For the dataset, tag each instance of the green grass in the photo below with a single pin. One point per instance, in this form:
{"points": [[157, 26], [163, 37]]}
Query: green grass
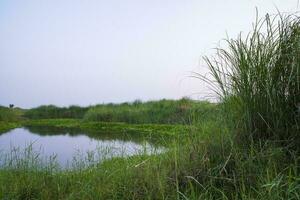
{"points": [[9, 118], [10, 114], [259, 78], [158, 129], [6, 126], [157, 112], [53, 112], [158, 134], [201, 165]]}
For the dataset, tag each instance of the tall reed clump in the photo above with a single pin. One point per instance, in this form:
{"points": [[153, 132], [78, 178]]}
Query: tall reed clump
{"points": [[259, 78]]}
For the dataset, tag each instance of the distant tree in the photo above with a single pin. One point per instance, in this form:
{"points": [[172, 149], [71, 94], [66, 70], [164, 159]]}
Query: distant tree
{"points": [[11, 105]]}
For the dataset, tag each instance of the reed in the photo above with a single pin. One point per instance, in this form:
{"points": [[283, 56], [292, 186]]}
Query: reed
{"points": [[258, 77]]}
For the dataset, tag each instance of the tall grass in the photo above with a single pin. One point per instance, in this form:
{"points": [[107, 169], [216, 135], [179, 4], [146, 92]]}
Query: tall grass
{"points": [[137, 112], [193, 168], [159, 112], [259, 77], [10, 114], [52, 112]]}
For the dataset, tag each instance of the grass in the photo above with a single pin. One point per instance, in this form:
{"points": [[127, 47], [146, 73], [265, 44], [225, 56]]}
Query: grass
{"points": [[194, 168], [260, 78], [158, 134], [54, 112], [160, 129], [156, 112], [10, 114], [6, 126], [9, 118], [246, 147]]}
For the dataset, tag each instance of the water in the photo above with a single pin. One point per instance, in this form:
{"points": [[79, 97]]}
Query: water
{"points": [[71, 146]]}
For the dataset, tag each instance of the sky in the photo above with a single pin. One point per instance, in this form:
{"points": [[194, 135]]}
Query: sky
{"points": [[76, 52]]}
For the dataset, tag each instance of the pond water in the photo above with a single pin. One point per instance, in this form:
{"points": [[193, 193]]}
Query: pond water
{"points": [[69, 147]]}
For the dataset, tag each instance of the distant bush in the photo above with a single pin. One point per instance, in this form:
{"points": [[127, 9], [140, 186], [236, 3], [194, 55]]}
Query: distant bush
{"points": [[163, 111], [51, 112], [9, 114], [136, 112]]}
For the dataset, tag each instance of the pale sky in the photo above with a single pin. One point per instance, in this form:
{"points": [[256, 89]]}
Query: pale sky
{"points": [[77, 52]]}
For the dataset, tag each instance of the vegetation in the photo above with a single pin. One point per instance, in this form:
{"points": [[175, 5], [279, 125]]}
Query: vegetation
{"points": [[260, 77], [137, 112], [6, 126], [141, 129], [202, 165], [9, 118], [10, 114], [157, 112], [54, 112], [247, 147]]}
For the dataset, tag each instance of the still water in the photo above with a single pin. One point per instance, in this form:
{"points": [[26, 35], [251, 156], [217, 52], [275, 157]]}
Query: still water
{"points": [[67, 147]]}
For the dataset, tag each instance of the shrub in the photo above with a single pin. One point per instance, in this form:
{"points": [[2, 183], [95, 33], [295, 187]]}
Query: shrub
{"points": [[10, 114], [51, 112]]}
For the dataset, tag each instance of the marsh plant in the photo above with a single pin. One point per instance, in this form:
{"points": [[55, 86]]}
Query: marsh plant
{"points": [[258, 77]]}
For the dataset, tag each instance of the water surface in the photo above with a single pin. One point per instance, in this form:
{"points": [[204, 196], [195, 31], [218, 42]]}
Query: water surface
{"points": [[71, 146]]}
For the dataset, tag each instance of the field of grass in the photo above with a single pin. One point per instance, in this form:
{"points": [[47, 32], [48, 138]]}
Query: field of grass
{"points": [[10, 118], [157, 112], [54, 112], [203, 164], [245, 147], [10, 114]]}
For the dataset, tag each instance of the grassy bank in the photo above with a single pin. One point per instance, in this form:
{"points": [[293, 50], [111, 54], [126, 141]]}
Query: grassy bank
{"points": [[54, 112], [10, 118], [6, 126], [137, 112], [11, 114], [204, 165]]}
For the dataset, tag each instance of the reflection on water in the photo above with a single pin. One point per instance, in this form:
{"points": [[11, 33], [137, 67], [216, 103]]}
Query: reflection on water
{"points": [[69, 145]]}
